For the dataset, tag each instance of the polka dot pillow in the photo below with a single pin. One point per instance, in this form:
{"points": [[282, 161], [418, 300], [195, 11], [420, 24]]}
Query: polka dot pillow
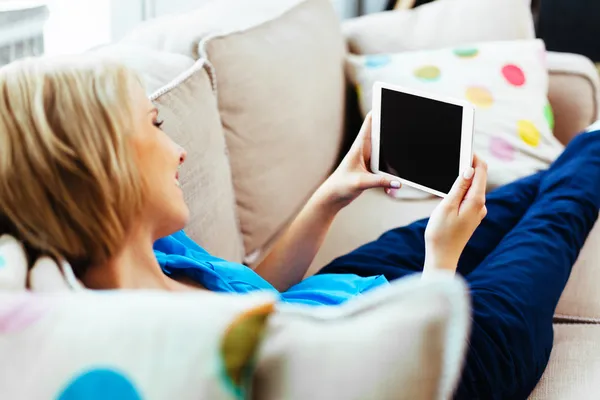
{"points": [[507, 82], [121, 345], [129, 345]]}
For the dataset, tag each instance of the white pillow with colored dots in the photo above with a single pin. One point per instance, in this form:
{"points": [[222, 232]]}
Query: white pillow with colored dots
{"points": [[506, 81]]}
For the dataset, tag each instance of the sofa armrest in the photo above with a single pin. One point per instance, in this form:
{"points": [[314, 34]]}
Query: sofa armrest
{"points": [[574, 93]]}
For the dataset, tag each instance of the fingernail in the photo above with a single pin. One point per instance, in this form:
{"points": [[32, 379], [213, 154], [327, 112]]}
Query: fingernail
{"points": [[469, 172], [395, 184]]}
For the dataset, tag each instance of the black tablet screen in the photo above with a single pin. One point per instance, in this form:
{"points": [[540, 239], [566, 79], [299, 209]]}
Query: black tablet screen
{"points": [[420, 139]]}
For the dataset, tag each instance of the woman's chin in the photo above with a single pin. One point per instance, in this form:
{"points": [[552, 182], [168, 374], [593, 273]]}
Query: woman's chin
{"points": [[175, 222]]}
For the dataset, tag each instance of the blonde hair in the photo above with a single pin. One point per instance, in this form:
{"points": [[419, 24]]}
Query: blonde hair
{"points": [[69, 185]]}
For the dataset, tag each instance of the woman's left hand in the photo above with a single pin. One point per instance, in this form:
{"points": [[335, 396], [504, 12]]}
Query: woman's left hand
{"points": [[353, 176]]}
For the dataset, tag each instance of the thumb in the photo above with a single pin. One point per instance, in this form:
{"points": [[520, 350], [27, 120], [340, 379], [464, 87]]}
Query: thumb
{"points": [[371, 181], [363, 135], [461, 187]]}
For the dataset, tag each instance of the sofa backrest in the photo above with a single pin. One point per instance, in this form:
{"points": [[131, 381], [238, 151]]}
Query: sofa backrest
{"points": [[277, 71]]}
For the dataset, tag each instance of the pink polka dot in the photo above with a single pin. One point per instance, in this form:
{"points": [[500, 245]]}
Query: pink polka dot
{"points": [[501, 149], [514, 75], [19, 311]]}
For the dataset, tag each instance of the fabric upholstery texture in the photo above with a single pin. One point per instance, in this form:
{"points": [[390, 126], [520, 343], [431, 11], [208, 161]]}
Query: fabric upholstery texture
{"points": [[280, 93], [574, 364]]}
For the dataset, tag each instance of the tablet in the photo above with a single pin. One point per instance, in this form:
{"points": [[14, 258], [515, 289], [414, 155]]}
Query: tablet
{"points": [[422, 139]]}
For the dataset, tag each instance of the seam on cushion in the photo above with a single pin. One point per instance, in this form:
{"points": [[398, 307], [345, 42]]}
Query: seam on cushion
{"points": [[592, 84], [569, 319], [182, 77], [203, 55]]}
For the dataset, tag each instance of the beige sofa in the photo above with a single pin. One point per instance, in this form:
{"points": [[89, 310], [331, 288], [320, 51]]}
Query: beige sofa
{"points": [[272, 109]]}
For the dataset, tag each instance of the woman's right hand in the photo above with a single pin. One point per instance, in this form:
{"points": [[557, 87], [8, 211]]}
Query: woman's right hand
{"points": [[454, 220]]}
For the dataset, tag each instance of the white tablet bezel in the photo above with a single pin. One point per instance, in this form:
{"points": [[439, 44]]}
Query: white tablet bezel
{"points": [[466, 142]]}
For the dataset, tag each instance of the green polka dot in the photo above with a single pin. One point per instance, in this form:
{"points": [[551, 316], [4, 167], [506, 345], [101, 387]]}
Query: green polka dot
{"points": [[2, 261], [466, 52], [549, 115], [359, 93], [428, 73]]}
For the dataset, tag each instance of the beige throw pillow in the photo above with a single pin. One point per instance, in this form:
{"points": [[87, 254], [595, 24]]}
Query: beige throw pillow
{"points": [[280, 87]]}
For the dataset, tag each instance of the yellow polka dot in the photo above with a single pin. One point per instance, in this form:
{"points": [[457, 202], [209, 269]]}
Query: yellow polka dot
{"points": [[528, 133], [480, 97], [359, 93], [240, 343], [428, 73]]}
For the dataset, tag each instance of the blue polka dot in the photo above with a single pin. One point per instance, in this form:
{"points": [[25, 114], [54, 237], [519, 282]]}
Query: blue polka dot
{"points": [[100, 384], [377, 61], [2, 261]]}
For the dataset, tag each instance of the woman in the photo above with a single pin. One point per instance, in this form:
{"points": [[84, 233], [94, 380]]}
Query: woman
{"points": [[87, 174]]}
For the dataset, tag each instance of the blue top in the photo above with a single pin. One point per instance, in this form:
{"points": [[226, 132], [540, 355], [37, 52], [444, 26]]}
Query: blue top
{"points": [[177, 254]]}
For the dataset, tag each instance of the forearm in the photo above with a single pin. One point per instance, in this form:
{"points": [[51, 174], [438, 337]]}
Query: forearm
{"points": [[289, 260]]}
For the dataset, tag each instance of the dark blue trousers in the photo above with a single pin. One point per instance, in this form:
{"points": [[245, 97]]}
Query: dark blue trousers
{"points": [[516, 264]]}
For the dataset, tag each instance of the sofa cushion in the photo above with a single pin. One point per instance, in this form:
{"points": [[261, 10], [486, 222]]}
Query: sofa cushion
{"points": [[182, 91], [581, 299], [129, 345], [439, 24], [507, 83], [574, 367], [282, 105], [278, 70], [403, 341]]}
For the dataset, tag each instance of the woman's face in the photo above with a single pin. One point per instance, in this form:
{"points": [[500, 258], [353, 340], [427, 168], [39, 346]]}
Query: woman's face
{"points": [[159, 159]]}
